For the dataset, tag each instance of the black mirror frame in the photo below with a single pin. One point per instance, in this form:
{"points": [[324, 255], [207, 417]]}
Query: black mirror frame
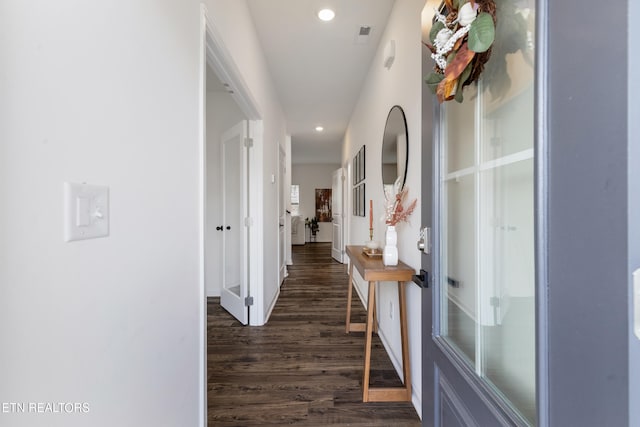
{"points": [[406, 131]]}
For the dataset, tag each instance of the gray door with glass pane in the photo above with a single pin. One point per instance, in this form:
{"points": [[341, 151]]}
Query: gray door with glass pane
{"points": [[531, 189], [481, 358]]}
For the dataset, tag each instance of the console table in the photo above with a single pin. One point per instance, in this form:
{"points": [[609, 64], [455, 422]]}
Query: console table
{"points": [[373, 270]]}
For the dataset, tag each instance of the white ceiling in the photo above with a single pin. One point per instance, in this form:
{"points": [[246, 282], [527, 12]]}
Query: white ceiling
{"points": [[318, 67]]}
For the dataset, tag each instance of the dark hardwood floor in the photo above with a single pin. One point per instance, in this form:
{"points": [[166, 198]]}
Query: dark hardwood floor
{"points": [[301, 368]]}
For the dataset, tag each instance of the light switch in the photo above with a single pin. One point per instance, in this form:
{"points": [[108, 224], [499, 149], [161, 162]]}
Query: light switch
{"points": [[86, 211], [83, 204]]}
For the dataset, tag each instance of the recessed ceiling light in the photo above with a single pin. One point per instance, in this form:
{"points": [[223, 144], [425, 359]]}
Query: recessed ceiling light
{"points": [[326, 14], [319, 128]]}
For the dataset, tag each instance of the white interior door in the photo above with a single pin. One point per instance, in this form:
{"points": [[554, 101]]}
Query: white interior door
{"points": [[337, 181], [282, 217], [234, 208]]}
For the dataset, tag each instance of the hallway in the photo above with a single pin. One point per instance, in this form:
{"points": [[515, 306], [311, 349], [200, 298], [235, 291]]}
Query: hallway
{"points": [[301, 368]]}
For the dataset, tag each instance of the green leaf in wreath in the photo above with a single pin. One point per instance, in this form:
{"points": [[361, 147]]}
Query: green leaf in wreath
{"points": [[433, 80], [481, 33], [458, 96], [457, 4], [435, 29], [463, 78], [466, 73]]}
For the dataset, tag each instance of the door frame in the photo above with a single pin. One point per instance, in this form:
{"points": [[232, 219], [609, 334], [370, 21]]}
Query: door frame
{"points": [[214, 52], [634, 202], [347, 208], [588, 223], [223, 65]]}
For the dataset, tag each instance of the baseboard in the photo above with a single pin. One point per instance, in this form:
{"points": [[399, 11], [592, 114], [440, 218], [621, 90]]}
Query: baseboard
{"points": [[397, 363], [417, 402], [416, 395]]}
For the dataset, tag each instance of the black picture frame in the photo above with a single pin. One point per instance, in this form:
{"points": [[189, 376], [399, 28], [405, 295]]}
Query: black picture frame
{"points": [[359, 176], [359, 167], [355, 201], [356, 170], [359, 200], [354, 209], [363, 175]]}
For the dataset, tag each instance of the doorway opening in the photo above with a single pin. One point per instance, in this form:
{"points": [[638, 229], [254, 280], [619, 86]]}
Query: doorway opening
{"points": [[230, 161], [231, 170]]}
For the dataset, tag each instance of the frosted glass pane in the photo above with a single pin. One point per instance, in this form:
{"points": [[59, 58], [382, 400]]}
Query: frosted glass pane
{"points": [[460, 124], [232, 233], [458, 268], [508, 125], [295, 194], [507, 271]]}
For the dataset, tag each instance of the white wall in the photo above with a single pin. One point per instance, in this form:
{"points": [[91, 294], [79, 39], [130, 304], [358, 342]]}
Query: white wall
{"points": [[382, 90], [235, 25], [222, 114], [107, 93], [311, 177]]}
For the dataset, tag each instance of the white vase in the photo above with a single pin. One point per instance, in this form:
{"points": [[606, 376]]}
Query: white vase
{"points": [[390, 252]]}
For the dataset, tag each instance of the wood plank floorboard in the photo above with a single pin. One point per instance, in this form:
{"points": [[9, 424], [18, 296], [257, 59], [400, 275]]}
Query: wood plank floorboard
{"points": [[301, 368]]}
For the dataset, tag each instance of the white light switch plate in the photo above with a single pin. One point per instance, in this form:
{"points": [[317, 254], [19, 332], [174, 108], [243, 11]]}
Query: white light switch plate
{"points": [[86, 211]]}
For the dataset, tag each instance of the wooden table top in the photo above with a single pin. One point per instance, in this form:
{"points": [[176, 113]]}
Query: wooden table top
{"points": [[373, 270]]}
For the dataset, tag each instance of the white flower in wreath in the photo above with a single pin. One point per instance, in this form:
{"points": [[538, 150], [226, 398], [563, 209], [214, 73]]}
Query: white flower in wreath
{"points": [[467, 14], [443, 36]]}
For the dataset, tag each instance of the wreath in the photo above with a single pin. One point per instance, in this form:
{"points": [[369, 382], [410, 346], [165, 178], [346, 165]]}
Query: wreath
{"points": [[461, 40]]}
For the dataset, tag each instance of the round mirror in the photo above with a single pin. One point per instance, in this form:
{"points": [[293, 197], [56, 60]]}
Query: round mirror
{"points": [[395, 146]]}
